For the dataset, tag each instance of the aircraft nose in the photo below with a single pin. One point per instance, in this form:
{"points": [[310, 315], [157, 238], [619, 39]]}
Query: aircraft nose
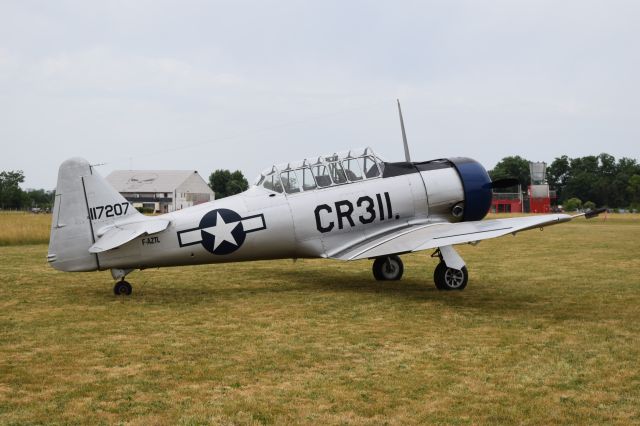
{"points": [[476, 184]]}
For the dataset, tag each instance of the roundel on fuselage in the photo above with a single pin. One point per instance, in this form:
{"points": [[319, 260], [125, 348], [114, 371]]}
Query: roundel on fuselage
{"points": [[231, 235], [221, 231]]}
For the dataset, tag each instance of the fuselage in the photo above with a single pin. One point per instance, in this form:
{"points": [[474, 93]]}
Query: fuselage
{"points": [[264, 223], [342, 206]]}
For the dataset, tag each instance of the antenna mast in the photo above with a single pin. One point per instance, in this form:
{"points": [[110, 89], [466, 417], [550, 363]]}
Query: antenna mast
{"points": [[404, 135]]}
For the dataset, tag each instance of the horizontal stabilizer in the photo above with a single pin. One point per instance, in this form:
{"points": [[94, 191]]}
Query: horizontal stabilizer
{"points": [[121, 234]]}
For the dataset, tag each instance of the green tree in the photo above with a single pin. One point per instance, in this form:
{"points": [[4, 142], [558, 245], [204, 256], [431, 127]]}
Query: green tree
{"points": [[572, 204], [589, 205], [627, 169], [512, 167], [633, 189], [10, 192], [608, 193], [38, 198], [225, 183], [607, 164], [597, 178], [582, 180], [557, 174]]}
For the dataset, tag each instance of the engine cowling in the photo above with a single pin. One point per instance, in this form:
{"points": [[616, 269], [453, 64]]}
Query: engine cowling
{"points": [[476, 185], [458, 189]]}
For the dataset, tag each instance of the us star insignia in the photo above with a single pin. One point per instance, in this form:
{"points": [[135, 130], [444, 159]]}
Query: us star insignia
{"points": [[222, 231]]}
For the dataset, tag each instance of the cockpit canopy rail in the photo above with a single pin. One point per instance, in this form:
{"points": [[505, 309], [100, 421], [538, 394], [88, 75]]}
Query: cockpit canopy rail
{"points": [[322, 172]]}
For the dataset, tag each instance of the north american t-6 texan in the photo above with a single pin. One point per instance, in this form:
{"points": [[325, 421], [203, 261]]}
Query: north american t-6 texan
{"points": [[346, 206]]}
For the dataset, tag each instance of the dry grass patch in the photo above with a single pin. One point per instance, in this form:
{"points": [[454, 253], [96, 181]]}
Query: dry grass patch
{"points": [[18, 228], [546, 332]]}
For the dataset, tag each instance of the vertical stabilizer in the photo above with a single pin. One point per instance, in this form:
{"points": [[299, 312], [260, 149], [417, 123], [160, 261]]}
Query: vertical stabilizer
{"points": [[84, 204]]}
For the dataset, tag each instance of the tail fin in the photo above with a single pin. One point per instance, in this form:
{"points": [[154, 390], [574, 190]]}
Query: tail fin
{"points": [[84, 204]]}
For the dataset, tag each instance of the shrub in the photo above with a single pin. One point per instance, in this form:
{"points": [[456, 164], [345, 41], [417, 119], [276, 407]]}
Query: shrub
{"points": [[572, 204]]}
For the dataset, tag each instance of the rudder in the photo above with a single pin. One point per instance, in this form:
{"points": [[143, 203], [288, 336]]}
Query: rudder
{"points": [[84, 204]]}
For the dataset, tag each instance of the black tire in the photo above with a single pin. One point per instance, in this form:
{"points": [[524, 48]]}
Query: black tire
{"points": [[437, 274], [447, 278], [388, 268], [122, 288]]}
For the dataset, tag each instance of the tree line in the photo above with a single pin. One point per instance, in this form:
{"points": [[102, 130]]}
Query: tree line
{"points": [[592, 180], [223, 182], [598, 180], [12, 197]]}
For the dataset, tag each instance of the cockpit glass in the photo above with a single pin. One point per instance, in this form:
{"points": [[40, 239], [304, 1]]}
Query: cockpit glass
{"points": [[337, 173], [291, 181], [272, 183], [352, 169], [308, 183], [369, 167], [321, 173]]}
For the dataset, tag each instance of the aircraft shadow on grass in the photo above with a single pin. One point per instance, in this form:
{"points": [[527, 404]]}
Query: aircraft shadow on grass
{"points": [[321, 283]]}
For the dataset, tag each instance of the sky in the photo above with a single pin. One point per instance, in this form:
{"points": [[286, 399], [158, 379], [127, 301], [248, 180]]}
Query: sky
{"points": [[204, 85]]}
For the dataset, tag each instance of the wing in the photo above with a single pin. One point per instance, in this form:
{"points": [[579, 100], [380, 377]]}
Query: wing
{"points": [[120, 234], [432, 235]]}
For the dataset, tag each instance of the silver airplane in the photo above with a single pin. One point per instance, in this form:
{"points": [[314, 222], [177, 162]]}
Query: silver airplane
{"points": [[346, 206]]}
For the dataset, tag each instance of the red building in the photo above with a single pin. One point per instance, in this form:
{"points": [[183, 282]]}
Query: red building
{"points": [[539, 199], [506, 202]]}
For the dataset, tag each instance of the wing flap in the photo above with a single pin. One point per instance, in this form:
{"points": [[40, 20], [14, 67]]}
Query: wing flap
{"points": [[121, 234], [424, 237]]}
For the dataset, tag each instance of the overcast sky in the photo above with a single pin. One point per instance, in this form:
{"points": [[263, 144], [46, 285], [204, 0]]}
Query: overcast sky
{"points": [[243, 84]]}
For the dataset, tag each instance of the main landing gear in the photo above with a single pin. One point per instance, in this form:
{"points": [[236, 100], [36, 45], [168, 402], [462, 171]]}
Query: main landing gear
{"points": [[447, 278], [388, 268], [122, 287], [450, 274]]}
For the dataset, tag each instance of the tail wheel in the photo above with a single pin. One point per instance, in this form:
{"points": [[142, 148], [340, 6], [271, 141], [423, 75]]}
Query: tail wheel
{"points": [[388, 268], [447, 278], [122, 288]]}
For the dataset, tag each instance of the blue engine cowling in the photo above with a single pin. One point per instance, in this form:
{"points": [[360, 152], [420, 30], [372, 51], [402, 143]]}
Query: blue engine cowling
{"points": [[476, 184]]}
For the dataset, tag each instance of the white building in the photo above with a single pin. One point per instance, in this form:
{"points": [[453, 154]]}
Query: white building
{"points": [[161, 190]]}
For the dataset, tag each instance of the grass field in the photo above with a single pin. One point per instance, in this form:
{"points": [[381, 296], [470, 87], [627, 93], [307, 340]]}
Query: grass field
{"points": [[24, 228], [547, 332]]}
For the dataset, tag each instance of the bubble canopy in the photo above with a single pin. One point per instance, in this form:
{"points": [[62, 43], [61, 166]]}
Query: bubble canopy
{"points": [[323, 171]]}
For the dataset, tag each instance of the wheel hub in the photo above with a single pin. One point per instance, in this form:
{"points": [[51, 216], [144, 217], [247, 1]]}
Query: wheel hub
{"points": [[390, 269], [453, 277]]}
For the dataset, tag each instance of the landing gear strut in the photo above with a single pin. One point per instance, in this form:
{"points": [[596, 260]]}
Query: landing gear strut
{"points": [[451, 273], [122, 287], [388, 268]]}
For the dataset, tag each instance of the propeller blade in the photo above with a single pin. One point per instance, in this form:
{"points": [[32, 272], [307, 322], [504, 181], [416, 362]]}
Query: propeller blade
{"points": [[505, 183], [594, 213]]}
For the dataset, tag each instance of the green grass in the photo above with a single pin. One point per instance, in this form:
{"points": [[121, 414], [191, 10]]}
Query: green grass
{"points": [[547, 332]]}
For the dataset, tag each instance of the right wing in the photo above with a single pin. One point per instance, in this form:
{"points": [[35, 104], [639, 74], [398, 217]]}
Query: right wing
{"points": [[440, 234]]}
